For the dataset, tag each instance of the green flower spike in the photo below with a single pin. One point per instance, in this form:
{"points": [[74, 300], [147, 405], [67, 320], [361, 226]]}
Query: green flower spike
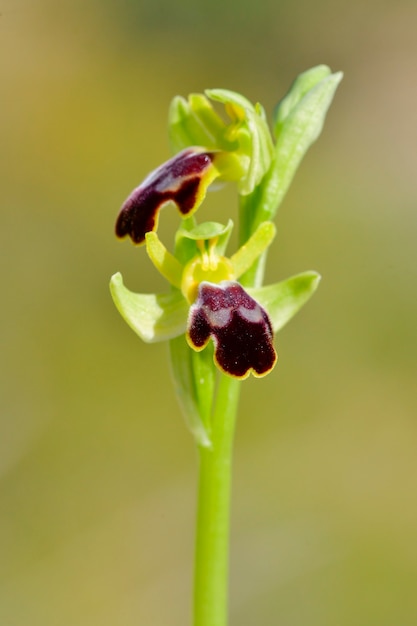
{"points": [[207, 312], [218, 317]]}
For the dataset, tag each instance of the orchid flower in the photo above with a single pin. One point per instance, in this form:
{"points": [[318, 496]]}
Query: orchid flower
{"points": [[219, 318], [208, 302]]}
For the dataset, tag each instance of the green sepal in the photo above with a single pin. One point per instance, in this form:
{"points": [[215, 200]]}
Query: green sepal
{"points": [[154, 317], [194, 122], [282, 300], [250, 129], [182, 359]]}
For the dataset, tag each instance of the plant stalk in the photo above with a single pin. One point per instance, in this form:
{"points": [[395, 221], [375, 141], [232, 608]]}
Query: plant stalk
{"points": [[211, 575]]}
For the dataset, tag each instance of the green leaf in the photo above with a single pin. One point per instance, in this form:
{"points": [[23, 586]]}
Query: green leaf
{"points": [[299, 121], [282, 300], [154, 317], [300, 129], [300, 87], [304, 123], [183, 373]]}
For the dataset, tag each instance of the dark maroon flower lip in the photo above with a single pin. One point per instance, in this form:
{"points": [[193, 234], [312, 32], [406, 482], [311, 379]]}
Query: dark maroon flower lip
{"points": [[239, 326], [183, 180]]}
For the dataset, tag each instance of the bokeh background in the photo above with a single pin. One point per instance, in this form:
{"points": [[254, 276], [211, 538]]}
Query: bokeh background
{"points": [[97, 470]]}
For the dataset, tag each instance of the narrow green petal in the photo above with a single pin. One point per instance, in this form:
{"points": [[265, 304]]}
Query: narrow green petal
{"points": [[164, 261], [282, 300], [247, 254], [154, 317]]}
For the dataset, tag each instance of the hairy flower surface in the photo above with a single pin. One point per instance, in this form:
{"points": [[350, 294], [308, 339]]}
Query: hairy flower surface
{"points": [[239, 326], [182, 180]]}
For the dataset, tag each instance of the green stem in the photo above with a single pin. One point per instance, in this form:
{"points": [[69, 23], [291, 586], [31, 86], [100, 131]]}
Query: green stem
{"points": [[213, 513]]}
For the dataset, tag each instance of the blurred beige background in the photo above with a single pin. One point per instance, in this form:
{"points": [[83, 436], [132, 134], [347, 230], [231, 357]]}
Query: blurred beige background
{"points": [[97, 471]]}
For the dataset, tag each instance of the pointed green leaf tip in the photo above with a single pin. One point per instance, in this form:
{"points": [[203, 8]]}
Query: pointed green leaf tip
{"points": [[299, 120], [154, 317], [282, 300], [300, 88]]}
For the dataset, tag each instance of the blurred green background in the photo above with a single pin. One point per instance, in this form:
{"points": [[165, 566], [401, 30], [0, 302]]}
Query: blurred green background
{"points": [[97, 471]]}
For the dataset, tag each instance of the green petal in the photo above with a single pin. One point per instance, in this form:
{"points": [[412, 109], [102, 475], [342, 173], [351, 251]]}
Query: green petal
{"points": [[164, 261], [154, 317], [247, 254], [284, 299]]}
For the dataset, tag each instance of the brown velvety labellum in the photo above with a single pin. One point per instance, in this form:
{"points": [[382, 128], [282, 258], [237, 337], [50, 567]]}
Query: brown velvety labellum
{"points": [[239, 326], [180, 180]]}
